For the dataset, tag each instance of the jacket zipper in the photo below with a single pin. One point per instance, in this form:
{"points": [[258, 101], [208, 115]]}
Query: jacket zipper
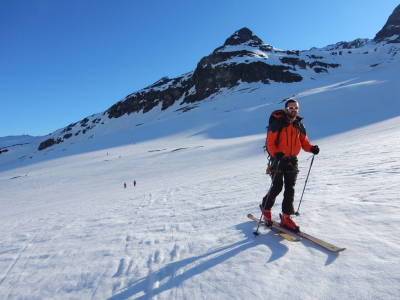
{"points": [[291, 140], [287, 138]]}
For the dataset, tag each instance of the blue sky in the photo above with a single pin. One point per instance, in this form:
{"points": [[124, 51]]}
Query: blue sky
{"points": [[63, 60]]}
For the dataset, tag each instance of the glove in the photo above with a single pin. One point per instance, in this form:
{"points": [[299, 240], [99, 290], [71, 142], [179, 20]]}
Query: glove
{"points": [[315, 149], [279, 155]]}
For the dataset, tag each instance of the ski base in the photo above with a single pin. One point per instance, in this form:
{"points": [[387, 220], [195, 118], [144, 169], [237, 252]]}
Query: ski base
{"points": [[285, 235], [311, 238]]}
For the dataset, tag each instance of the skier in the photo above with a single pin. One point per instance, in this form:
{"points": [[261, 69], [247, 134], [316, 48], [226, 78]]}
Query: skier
{"points": [[125, 185], [134, 183], [286, 136]]}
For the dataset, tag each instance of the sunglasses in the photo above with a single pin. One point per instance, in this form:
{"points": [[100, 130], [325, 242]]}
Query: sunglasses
{"points": [[293, 107]]}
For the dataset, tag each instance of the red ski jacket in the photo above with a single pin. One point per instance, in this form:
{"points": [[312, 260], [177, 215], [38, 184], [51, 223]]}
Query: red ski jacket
{"points": [[292, 136]]}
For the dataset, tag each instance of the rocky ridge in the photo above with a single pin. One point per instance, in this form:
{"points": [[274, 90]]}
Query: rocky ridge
{"points": [[391, 30]]}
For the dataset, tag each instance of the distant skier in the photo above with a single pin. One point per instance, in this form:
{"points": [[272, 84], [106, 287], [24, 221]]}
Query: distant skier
{"points": [[286, 136], [134, 183], [125, 185]]}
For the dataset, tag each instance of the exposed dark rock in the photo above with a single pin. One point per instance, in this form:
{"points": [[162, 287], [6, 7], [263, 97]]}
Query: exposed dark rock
{"points": [[57, 140], [391, 28], [185, 109], [242, 36], [357, 43], [209, 80], [48, 143], [322, 64], [293, 61], [289, 52], [3, 151], [88, 128], [66, 129], [320, 70], [146, 101], [84, 122], [265, 48], [220, 57], [161, 82], [69, 127], [315, 57]]}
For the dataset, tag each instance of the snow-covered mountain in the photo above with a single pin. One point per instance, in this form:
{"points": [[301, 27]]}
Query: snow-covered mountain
{"points": [[193, 144], [243, 63]]}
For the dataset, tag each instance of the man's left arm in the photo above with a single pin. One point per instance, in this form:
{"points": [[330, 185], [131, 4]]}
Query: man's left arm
{"points": [[307, 146], [305, 143]]}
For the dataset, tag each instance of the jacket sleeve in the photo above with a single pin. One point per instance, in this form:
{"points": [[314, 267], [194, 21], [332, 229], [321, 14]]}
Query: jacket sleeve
{"points": [[270, 143], [271, 138], [305, 143]]}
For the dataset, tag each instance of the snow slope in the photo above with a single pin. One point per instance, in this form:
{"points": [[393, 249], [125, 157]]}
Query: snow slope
{"points": [[70, 230]]}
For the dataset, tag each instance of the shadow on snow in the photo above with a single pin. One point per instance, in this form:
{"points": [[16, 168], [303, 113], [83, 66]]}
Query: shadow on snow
{"points": [[205, 262]]}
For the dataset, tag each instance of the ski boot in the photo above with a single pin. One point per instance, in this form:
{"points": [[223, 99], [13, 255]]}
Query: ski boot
{"points": [[267, 216], [287, 222]]}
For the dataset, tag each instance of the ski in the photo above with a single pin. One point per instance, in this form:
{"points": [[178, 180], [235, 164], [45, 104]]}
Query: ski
{"points": [[285, 235], [311, 238]]}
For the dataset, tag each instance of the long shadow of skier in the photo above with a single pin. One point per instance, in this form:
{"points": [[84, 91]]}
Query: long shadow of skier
{"points": [[202, 263]]}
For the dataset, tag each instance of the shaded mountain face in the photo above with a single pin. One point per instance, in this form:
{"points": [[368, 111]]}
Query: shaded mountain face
{"points": [[224, 68], [243, 36], [391, 31]]}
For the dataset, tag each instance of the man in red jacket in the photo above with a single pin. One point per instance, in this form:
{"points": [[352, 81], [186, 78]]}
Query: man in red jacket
{"points": [[286, 136]]}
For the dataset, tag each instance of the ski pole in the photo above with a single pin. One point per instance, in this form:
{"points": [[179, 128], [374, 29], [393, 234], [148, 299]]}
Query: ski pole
{"points": [[297, 212], [269, 191]]}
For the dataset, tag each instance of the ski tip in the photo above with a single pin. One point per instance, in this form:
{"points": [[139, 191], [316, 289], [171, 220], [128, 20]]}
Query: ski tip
{"points": [[335, 249], [249, 215]]}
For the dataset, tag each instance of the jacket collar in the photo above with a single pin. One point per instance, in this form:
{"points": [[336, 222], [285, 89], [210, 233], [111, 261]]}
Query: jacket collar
{"points": [[282, 114]]}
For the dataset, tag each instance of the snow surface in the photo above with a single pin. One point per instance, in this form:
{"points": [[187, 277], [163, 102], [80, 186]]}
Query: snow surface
{"points": [[70, 230]]}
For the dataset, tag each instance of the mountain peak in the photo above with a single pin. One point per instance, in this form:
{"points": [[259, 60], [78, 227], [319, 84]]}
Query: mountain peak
{"points": [[242, 36], [391, 30]]}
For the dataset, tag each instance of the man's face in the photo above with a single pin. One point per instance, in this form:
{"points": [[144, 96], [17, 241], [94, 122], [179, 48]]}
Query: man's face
{"points": [[292, 109]]}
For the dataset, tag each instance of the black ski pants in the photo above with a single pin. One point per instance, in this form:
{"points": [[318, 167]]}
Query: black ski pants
{"points": [[287, 174]]}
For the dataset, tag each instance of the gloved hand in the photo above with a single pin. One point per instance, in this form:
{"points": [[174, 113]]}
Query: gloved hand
{"points": [[279, 155], [315, 149]]}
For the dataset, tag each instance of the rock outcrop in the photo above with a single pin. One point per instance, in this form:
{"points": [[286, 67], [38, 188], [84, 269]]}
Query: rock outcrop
{"points": [[391, 30]]}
